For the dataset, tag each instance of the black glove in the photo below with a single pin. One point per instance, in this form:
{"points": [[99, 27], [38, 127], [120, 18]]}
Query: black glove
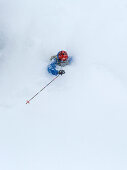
{"points": [[61, 72]]}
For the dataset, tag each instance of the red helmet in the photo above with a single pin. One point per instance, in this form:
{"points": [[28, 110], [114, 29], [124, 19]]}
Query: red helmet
{"points": [[62, 55]]}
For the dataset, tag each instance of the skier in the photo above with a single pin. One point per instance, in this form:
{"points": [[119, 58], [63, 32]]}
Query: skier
{"points": [[61, 59]]}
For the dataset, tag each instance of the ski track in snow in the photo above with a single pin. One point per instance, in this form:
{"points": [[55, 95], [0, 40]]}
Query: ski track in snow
{"points": [[79, 121]]}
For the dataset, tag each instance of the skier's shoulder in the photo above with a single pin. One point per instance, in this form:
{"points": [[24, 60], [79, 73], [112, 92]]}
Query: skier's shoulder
{"points": [[70, 59]]}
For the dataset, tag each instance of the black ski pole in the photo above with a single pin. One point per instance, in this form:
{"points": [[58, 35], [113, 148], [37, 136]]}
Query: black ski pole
{"points": [[28, 101]]}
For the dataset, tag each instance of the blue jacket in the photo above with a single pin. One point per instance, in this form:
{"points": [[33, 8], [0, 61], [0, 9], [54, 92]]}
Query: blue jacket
{"points": [[52, 67]]}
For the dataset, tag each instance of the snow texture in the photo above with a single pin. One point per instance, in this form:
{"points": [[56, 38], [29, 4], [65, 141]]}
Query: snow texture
{"points": [[79, 121]]}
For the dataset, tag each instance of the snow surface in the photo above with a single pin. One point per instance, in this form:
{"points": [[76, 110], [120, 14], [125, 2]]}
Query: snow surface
{"points": [[80, 121]]}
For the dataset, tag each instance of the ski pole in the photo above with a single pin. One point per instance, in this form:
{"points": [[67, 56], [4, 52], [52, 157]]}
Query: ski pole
{"points": [[28, 101]]}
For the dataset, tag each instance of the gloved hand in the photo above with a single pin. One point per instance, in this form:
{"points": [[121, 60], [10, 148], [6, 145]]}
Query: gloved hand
{"points": [[61, 72]]}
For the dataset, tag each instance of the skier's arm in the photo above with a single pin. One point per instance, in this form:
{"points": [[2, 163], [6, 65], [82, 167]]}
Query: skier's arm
{"points": [[53, 57]]}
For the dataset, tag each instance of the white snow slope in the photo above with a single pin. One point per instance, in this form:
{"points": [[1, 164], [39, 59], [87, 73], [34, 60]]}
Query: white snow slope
{"points": [[80, 121]]}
